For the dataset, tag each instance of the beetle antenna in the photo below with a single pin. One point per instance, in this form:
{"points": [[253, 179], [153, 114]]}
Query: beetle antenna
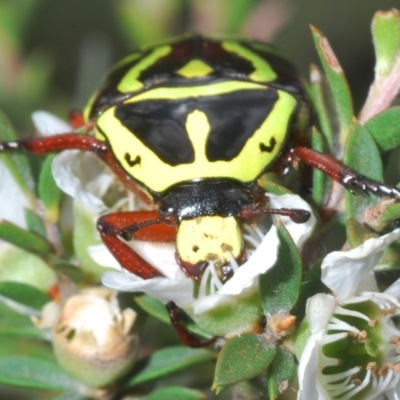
{"points": [[297, 215]]}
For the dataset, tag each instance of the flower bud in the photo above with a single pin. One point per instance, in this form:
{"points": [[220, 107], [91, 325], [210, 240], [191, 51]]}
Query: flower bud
{"points": [[93, 339]]}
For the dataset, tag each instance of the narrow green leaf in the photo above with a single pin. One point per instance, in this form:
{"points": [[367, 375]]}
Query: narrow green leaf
{"points": [[14, 324], [21, 238], [49, 192], [317, 92], [167, 361], [35, 223], [71, 396], [390, 260], [339, 87], [386, 37], [34, 373], [358, 233], [24, 294], [272, 183], [71, 271], [319, 178], [311, 284], [153, 307], [175, 393], [281, 372], [242, 357], [279, 286], [389, 215], [385, 128], [17, 164], [362, 155], [18, 265]]}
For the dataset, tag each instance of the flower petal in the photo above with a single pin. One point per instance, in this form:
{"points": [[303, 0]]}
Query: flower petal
{"points": [[350, 272], [13, 201], [48, 124], [69, 170], [163, 289]]}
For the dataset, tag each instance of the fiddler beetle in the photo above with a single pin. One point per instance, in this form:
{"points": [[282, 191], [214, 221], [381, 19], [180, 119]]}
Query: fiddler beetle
{"points": [[190, 125]]}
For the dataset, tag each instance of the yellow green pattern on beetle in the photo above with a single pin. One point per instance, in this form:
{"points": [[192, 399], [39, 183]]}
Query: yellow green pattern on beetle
{"points": [[247, 166], [262, 71], [131, 82]]}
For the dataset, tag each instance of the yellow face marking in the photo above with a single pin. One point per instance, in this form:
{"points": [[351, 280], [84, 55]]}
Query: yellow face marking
{"points": [[195, 69], [131, 82], [159, 176], [208, 238], [263, 72]]}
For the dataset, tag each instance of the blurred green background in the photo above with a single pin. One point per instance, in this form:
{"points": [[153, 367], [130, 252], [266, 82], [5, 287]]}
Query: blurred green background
{"points": [[54, 53]]}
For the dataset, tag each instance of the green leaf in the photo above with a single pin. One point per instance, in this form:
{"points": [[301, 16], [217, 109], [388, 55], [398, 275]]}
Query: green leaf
{"points": [[389, 215], [71, 396], [280, 285], [318, 176], [386, 37], [17, 164], [358, 233], [338, 85], [385, 128], [85, 235], [282, 370], [35, 223], [14, 324], [71, 271], [311, 284], [49, 192], [271, 183], [175, 393], [242, 357], [317, 92], [34, 373], [167, 361], [25, 240], [17, 265], [153, 307], [362, 155], [390, 260], [24, 294]]}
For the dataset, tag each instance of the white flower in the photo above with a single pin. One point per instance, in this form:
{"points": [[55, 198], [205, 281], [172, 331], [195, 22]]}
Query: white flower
{"points": [[353, 350]]}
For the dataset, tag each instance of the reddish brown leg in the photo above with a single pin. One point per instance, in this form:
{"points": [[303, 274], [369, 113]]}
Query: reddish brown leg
{"points": [[344, 175], [112, 226], [74, 141], [177, 316]]}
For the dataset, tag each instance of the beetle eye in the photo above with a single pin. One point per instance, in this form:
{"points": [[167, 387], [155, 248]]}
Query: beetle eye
{"points": [[131, 163]]}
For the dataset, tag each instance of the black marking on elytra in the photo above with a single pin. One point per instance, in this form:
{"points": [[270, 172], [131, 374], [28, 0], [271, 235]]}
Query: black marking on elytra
{"points": [[270, 148], [233, 117], [132, 163]]}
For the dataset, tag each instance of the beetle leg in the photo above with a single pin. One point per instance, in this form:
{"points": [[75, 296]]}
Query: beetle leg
{"points": [[141, 225], [344, 175], [74, 141], [176, 316]]}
